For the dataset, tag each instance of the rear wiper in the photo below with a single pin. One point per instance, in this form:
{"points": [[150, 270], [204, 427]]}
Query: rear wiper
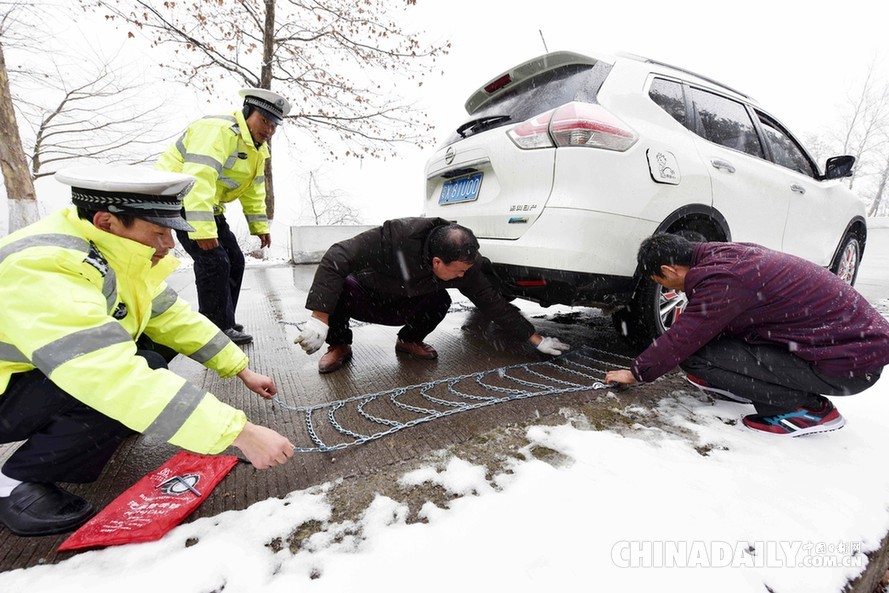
{"points": [[479, 124]]}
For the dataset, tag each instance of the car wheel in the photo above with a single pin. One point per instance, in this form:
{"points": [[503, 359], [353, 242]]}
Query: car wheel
{"points": [[653, 311], [659, 308], [499, 284], [624, 324], [848, 259]]}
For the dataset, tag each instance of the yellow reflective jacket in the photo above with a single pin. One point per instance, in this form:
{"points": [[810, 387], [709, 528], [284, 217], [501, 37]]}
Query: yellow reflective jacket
{"points": [[219, 151], [76, 298]]}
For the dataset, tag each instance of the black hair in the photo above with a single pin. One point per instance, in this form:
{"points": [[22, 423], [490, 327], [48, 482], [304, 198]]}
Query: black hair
{"points": [[87, 214], [247, 110], [452, 242], [663, 249]]}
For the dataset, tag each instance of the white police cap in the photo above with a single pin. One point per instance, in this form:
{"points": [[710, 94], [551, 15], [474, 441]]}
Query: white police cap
{"points": [[272, 105], [143, 192]]}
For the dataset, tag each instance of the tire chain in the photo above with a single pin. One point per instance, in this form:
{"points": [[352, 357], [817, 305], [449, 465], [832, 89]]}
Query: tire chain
{"points": [[586, 366]]}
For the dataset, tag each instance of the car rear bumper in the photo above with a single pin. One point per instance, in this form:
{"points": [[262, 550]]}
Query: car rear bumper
{"points": [[574, 240], [571, 256]]}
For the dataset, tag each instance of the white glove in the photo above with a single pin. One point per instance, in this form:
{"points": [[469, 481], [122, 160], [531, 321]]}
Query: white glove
{"points": [[312, 336], [552, 346]]}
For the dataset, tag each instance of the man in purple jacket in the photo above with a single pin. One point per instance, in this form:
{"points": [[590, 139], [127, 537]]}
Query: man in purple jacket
{"points": [[762, 327]]}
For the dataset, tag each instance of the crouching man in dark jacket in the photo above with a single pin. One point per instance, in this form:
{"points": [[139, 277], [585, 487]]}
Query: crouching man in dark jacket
{"points": [[397, 274], [762, 327]]}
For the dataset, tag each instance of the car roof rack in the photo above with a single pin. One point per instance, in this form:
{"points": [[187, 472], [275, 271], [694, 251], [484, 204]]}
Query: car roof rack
{"points": [[637, 57]]}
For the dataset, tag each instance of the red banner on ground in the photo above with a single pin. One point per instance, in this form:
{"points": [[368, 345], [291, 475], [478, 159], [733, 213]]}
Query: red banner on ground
{"points": [[155, 504]]}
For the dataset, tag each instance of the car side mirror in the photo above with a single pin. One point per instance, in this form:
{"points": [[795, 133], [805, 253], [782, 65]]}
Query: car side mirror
{"points": [[838, 167]]}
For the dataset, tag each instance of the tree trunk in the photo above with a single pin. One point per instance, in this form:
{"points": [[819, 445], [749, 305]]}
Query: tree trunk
{"points": [[265, 81], [878, 196], [22, 199]]}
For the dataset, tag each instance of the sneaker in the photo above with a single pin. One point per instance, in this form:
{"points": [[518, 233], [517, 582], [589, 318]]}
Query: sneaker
{"points": [[720, 393], [420, 350], [799, 422], [238, 337], [238, 327], [334, 358]]}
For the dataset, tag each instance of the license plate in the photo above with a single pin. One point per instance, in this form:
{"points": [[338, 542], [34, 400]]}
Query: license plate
{"points": [[462, 189]]}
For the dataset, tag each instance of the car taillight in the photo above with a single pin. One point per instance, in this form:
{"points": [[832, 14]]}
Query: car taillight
{"points": [[533, 133], [574, 124], [585, 124]]}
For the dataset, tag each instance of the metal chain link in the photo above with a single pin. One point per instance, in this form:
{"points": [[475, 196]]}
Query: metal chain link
{"points": [[566, 363]]}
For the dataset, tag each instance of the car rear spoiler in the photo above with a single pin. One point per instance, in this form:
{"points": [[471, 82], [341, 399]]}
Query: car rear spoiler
{"points": [[523, 71]]}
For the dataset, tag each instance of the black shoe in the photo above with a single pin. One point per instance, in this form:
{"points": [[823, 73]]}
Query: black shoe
{"points": [[41, 508], [237, 337], [238, 327]]}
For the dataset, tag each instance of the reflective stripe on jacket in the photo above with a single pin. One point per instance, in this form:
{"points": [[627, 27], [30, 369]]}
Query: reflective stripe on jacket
{"points": [[76, 298], [219, 151]]}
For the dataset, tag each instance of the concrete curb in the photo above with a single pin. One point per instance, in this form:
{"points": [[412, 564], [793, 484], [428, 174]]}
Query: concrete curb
{"points": [[309, 243]]}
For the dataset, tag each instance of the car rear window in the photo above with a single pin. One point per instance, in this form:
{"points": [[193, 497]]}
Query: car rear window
{"points": [[548, 90], [668, 95]]}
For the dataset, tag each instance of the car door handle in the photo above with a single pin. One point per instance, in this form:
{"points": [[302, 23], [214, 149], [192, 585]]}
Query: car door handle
{"points": [[798, 188], [723, 165]]}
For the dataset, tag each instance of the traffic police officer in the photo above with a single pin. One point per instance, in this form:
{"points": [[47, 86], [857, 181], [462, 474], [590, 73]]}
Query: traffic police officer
{"points": [[79, 288], [226, 154]]}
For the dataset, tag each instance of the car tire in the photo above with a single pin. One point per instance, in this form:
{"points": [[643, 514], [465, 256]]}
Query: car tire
{"points": [[499, 284], [624, 324], [652, 312], [655, 308], [848, 259]]}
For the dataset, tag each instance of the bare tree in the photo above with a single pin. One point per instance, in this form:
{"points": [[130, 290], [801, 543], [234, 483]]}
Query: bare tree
{"points": [[65, 105], [21, 197], [877, 205], [337, 61], [96, 111], [820, 146], [866, 121], [328, 207], [863, 132]]}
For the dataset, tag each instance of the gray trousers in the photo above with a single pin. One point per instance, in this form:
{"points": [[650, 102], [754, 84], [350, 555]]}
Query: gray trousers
{"points": [[773, 378]]}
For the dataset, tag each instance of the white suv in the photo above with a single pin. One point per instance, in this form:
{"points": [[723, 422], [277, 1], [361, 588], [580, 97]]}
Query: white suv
{"points": [[568, 161]]}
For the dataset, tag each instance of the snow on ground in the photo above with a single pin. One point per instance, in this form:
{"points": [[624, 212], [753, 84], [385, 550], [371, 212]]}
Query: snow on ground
{"points": [[637, 511]]}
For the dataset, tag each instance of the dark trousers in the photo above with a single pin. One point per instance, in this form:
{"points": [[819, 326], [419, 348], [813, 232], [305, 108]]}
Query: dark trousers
{"points": [[65, 440], [773, 378], [217, 273], [419, 315]]}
